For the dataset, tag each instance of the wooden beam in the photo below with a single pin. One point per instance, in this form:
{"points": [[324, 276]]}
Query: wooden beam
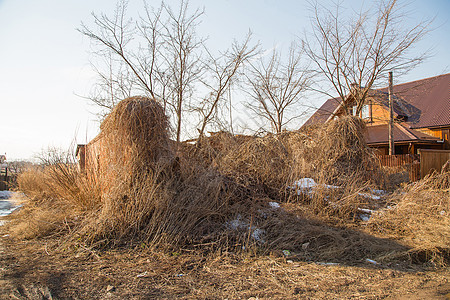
{"points": [[391, 116]]}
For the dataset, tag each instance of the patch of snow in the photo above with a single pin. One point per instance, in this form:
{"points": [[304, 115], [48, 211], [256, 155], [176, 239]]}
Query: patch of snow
{"points": [[5, 205], [274, 204], [237, 224], [5, 194], [366, 210], [258, 234], [378, 192], [305, 183], [306, 186], [327, 263], [7, 208], [262, 213], [366, 214], [331, 186], [370, 196], [142, 274], [364, 217]]}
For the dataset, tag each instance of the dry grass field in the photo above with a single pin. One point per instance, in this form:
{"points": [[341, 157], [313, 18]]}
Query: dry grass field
{"points": [[308, 214]]}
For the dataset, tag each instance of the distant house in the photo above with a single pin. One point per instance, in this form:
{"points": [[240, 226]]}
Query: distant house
{"points": [[3, 165], [421, 115]]}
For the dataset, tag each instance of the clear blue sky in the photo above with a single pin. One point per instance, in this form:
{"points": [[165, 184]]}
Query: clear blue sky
{"points": [[44, 61]]}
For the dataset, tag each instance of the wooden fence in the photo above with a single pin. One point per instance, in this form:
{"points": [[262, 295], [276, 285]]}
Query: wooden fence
{"points": [[409, 161], [4, 182], [432, 160], [398, 160]]}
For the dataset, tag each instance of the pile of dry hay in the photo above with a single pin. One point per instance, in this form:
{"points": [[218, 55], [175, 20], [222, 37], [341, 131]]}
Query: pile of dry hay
{"points": [[217, 192], [332, 154], [149, 194]]}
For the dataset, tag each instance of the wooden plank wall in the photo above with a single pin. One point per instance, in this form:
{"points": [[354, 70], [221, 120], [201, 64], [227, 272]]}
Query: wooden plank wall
{"points": [[412, 162], [398, 160], [432, 160]]}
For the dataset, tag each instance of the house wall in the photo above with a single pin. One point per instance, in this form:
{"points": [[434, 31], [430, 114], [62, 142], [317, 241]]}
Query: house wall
{"points": [[433, 132], [441, 133], [380, 115]]}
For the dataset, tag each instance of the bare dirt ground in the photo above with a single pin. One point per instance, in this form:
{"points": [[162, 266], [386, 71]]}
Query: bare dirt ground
{"points": [[39, 269]]}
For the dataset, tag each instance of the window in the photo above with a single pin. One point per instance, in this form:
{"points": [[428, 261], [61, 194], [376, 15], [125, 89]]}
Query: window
{"points": [[365, 112]]}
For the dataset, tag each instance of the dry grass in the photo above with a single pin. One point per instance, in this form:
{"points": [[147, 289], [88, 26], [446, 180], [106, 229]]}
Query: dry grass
{"points": [[39, 270], [420, 216], [214, 195], [58, 196], [335, 153]]}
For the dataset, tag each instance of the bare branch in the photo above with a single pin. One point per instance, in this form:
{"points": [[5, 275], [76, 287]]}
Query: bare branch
{"points": [[276, 87], [352, 54]]}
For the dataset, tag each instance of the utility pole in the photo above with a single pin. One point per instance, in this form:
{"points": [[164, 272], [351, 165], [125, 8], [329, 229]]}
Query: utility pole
{"points": [[391, 116]]}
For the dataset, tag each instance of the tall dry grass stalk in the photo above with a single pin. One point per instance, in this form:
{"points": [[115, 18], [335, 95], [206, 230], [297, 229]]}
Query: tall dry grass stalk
{"points": [[58, 195]]}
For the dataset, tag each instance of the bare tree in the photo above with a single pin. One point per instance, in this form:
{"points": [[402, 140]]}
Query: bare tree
{"points": [[181, 56], [114, 36], [353, 52], [221, 73], [114, 84], [16, 167], [158, 56], [277, 87]]}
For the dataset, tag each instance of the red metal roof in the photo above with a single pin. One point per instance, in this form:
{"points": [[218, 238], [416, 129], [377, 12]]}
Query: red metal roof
{"points": [[428, 99], [323, 113], [379, 134], [425, 102]]}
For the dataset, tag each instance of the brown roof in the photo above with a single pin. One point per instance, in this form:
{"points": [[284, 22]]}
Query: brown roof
{"points": [[425, 102], [324, 112], [379, 134]]}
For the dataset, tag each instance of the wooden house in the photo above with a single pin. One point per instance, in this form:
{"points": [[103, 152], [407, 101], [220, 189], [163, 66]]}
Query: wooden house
{"points": [[421, 115]]}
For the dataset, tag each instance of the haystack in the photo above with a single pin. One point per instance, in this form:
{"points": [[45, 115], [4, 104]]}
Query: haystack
{"points": [[135, 137], [149, 194], [135, 155]]}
